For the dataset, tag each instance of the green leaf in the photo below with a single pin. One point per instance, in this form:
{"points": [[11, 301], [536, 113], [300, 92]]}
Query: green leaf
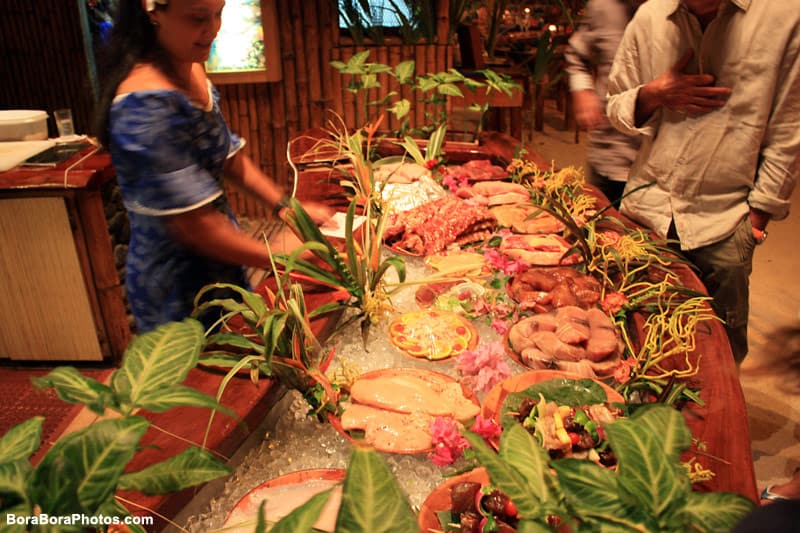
{"points": [[13, 490], [21, 440], [400, 108], [304, 517], [371, 498], [521, 451], [73, 387], [449, 89], [404, 71], [571, 392], [112, 507], [522, 491], [158, 359], [191, 467], [592, 493], [20, 511], [646, 475], [715, 511], [670, 427], [532, 526], [82, 469], [235, 340], [180, 395]]}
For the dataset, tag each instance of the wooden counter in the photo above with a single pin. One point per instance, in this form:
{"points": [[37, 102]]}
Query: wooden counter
{"points": [[62, 295]]}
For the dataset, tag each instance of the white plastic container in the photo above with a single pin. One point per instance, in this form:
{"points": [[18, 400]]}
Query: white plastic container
{"points": [[23, 125]]}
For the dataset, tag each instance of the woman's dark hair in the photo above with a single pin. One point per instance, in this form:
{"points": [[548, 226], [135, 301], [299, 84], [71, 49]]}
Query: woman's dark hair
{"points": [[132, 39]]}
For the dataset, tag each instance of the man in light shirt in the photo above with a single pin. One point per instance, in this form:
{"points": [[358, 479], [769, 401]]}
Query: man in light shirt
{"points": [[714, 88]]}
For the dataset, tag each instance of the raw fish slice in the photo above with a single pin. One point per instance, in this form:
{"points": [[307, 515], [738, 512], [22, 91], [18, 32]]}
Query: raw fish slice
{"points": [[549, 343], [604, 340], [408, 394], [387, 430], [573, 325]]}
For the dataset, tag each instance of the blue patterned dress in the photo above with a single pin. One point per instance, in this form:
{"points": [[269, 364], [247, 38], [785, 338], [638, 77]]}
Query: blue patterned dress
{"points": [[169, 155]]}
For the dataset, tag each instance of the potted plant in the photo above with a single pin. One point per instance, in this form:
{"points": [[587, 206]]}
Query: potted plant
{"points": [[82, 472]]}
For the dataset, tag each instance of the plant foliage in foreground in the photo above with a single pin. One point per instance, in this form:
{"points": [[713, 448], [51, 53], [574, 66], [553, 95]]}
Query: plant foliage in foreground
{"points": [[83, 470], [650, 490]]}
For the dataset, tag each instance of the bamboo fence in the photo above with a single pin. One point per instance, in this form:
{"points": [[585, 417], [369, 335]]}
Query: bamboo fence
{"points": [[43, 52]]}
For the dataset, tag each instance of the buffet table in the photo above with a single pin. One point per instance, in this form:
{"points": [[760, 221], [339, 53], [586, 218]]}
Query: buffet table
{"points": [[299, 442], [62, 295]]}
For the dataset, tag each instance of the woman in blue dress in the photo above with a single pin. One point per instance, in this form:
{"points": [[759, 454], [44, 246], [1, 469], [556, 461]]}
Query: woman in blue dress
{"points": [[160, 119]]}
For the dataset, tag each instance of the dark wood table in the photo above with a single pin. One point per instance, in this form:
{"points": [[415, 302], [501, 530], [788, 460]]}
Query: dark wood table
{"points": [[721, 425]]}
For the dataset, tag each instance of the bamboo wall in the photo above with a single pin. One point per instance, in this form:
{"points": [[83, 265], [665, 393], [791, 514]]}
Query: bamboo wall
{"points": [[43, 66]]}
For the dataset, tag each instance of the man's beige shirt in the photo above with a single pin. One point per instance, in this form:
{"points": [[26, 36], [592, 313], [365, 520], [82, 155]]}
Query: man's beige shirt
{"points": [[707, 170]]}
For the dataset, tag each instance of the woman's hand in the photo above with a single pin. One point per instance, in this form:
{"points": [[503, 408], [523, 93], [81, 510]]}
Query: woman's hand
{"points": [[319, 212]]}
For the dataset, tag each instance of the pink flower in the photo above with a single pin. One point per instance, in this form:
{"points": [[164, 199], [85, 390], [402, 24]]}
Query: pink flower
{"points": [[448, 443], [483, 368], [503, 263], [486, 428], [614, 302], [500, 326], [454, 182]]}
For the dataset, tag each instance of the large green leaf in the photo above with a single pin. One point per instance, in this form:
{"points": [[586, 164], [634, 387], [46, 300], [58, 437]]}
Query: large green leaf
{"points": [[521, 451], [73, 387], [112, 507], [13, 491], [592, 493], [522, 491], [303, 518], [669, 425], [191, 467], [156, 360], [647, 475], [716, 511], [22, 440], [81, 470], [180, 395], [371, 498], [18, 511]]}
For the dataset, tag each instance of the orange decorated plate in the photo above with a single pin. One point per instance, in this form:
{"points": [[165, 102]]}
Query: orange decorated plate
{"points": [[439, 499], [432, 334], [492, 405], [401, 426], [285, 493]]}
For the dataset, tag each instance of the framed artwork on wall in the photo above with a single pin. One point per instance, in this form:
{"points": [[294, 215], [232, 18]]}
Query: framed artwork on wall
{"points": [[247, 47]]}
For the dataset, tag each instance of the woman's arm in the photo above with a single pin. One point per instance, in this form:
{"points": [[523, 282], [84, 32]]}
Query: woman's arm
{"points": [[243, 173], [209, 233]]}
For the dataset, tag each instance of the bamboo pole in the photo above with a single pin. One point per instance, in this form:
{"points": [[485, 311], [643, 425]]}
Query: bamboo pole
{"points": [[337, 85], [302, 96], [395, 58], [313, 42], [421, 69], [382, 56]]}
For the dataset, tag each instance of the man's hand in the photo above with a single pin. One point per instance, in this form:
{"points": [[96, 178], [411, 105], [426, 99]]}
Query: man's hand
{"points": [[589, 110], [693, 94]]}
